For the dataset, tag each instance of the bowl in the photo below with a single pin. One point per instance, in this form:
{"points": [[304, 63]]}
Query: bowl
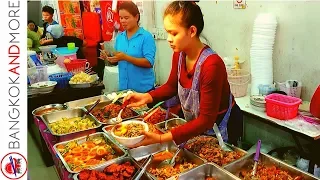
{"points": [[129, 141], [44, 87]]}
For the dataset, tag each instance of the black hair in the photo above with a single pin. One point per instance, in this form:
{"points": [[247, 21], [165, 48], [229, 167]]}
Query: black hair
{"points": [[131, 7], [191, 14], [48, 9], [35, 25]]}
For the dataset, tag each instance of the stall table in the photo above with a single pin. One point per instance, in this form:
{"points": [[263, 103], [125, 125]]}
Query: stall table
{"points": [[296, 127]]}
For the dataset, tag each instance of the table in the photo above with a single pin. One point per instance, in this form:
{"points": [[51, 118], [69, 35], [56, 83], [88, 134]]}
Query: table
{"points": [[57, 96], [296, 127]]}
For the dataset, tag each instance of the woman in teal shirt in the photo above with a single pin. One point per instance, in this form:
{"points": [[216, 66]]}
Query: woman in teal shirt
{"points": [[136, 51]]}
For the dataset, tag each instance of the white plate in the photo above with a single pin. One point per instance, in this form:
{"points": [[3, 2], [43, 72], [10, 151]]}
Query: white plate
{"points": [[44, 87]]}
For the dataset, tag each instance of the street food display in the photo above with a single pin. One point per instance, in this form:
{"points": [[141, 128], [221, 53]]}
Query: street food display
{"points": [[268, 172], [111, 111], [208, 148], [101, 156], [69, 125], [93, 151], [123, 171]]}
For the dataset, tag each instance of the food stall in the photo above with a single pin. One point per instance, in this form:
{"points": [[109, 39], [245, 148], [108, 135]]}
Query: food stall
{"points": [[94, 146]]}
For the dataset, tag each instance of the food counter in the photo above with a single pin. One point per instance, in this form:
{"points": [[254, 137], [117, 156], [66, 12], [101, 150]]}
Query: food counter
{"points": [[80, 153]]}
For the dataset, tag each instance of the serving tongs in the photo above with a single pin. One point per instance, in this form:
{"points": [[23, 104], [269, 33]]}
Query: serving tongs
{"points": [[143, 168]]}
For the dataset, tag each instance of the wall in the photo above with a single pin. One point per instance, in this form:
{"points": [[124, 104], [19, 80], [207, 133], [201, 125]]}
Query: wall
{"points": [[297, 41], [34, 12]]}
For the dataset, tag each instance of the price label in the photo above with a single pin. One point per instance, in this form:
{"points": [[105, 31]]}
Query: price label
{"points": [[239, 4]]}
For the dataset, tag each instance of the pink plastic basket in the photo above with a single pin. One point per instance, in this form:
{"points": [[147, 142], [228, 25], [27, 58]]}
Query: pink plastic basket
{"points": [[282, 107]]}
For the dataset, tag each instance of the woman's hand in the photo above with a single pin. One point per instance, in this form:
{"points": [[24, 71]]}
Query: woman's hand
{"points": [[150, 138], [104, 55], [138, 99], [118, 56]]}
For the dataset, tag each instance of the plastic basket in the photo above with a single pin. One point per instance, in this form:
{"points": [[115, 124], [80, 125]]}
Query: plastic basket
{"points": [[76, 66], [290, 91], [238, 80], [62, 79], [282, 107]]}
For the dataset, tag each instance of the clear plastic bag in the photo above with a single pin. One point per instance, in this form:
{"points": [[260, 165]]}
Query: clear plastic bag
{"points": [[37, 74]]}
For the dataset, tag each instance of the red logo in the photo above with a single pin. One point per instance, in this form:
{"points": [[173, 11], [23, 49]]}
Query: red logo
{"points": [[14, 165]]}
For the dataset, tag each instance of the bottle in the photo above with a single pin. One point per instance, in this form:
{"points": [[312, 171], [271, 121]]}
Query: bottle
{"points": [[236, 61]]}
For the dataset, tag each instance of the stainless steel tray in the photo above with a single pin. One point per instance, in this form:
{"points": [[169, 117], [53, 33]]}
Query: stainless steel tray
{"points": [[247, 162], [207, 170], [118, 150], [171, 148], [85, 102], [103, 104], [69, 113], [170, 124], [118, 161], [163, 110], [143, 152], [58, 106], [234, 148]]}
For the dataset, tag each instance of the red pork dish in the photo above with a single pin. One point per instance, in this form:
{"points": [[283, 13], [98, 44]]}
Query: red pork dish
{"points": [[208, 148], [111, 111], [266, 173], [123, 171]]}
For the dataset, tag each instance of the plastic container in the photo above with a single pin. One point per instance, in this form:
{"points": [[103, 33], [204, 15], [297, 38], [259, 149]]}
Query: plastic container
{"points": [[71, 46], [61, 78], [76, 66], [64, 53], [315, 103], [282, 107], [238, 80], [33, 59], [266, 89], [291, 91]]}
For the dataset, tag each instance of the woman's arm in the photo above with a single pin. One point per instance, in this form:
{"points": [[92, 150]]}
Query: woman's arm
{"points": [[212, 78]]}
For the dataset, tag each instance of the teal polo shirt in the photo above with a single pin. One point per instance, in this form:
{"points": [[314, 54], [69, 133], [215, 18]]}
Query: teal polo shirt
{"points": [[140, 45]]}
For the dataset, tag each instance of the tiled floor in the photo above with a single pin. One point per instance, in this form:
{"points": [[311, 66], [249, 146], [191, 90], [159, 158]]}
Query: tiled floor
{"points": [[36, 166]]}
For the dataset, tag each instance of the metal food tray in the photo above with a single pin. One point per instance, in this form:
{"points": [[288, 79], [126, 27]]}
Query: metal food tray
{"points": [[119, 151], [69, 113], [118, 161], [143, 152], [234, 148], [103, 104], [207, 170], [58, 106], [163, 110], [85, 102], [247, 162], [170, 123], [184, 153]]}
